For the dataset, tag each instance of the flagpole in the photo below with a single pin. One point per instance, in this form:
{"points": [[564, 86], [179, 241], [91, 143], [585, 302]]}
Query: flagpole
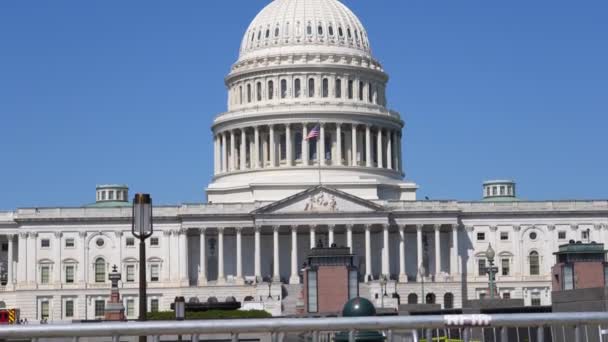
{"points": [[319, 149]]}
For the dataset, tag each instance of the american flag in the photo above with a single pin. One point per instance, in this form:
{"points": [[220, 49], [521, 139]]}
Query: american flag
{"points": [[314, 134]]}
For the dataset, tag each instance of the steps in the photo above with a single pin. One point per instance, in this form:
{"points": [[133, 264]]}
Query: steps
{"points": [[291, 296]]}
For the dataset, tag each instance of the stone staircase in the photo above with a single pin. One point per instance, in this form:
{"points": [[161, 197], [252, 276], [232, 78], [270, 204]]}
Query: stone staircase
{"points": [[291, 296]]}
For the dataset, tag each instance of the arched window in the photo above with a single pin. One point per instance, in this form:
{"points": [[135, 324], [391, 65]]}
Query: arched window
{"points": [[311, 87], [267, 33], [448, 301], [100, 270], [361, 85], [348, 33], [320, 30], [331, 30], [249, 93], [325, 87], [340, 31], [297, 87], [370, 93], [283, 89], [259, 35], [412, 298], [270, 90], [309, 30], [350, 89], [259, 91], [338, 88], [430, 298], [276, 32], [534, 263], [287, 29]]}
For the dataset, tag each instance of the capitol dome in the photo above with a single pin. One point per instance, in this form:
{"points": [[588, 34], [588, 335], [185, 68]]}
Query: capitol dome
{"points": [[313, 25]]}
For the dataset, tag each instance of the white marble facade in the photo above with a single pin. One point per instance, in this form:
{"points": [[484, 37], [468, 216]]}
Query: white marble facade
{"points": [[302, 64]]}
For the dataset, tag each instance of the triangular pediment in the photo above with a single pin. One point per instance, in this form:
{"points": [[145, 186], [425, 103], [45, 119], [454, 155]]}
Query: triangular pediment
{"points": [[320, 200]]}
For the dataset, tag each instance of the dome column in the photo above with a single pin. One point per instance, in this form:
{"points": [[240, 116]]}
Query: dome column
{"points": [[224, 156], [368, 146], [232, 151], [256, 147], [399, 161], [243, 150], [273, 147], [216, 153], [389, 149], [305, 144], [288, 145], [379, 149], [321, 148], [354, 145], [338, 160]]}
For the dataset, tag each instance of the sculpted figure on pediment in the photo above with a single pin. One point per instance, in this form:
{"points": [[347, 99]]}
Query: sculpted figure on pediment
{"points": [[321, 203]]}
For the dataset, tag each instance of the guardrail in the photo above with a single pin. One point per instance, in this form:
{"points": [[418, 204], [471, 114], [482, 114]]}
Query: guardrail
{"points": [[559, 327]]}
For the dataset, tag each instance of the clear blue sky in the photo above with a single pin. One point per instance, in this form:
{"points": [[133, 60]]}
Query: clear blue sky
{"points": [[125, 91]]}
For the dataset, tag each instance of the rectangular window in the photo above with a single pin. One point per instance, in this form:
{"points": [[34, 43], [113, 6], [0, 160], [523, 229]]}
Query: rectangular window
{"points": [[130, 308], [561, 235], [69, 274], [44, 274], [568, 277], [44, 310], [100, 272], [505, 267], [69, 308], [154, 305], [154, 272], [338, 88], [481, 236], [535, 299], [111, 195], [504, 236], [353, 284], [312, 291], [506, 295], [482, 295], [5, 247], [585, 235], [100, 308], [69, 243], [45, 243], [130, 242], [154, 241], [481, 264], [350, 89], [130, 273]]}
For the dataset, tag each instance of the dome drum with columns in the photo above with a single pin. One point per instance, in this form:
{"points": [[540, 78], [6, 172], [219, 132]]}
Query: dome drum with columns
{"points": [[303, 64]]}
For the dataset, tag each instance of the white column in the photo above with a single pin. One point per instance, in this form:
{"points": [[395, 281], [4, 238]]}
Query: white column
{"points": [[57, 261], [256, 150], [368, 146], [418, 249], [454, 269], [233, 159], [349, 237], [437, 251], [243, 150], [224, 153], [202, 271], [313, 242], [305, 144], [386, 267], [379, 149], [354, 145], [389, 150], [82, 266], [294, 278], [288, 145], [216, 155], [276, 276], [21, 257], [368, 253], [330, 230], [11, 277], [32, 257], [273, 147], [239, 257], [221, 279], [183, 242], [257, 259], [338, 160], [402, 274], [167, 255], [399, 157], [322, 145]]}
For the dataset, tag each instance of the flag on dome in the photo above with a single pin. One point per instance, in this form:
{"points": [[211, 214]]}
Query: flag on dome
{"points": [[314, 134]]}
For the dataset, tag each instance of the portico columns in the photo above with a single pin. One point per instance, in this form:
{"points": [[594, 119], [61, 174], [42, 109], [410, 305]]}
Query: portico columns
{"points": [[349, 237], [288, 146], [221, 279], [330, 230], [389, 150], [419, 250], [305, 144], [385, 252], [11, 279], [379, 149], [239, 256], [454, 269], [437, 251], [243, 151], [402, 274], [224, 156], [313, 242], [272, 147], [338, 160], [368, 253], [354, 145], [368, 146], [276, 276], [233, 159], [202, 271], [183, 246], [294, 278], [22, 257], [256, 150], [257, 258]]}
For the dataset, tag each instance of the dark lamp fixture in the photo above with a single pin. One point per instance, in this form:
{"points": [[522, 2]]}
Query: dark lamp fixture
{"points": [[180, 308], [142, 216], [490, 254]]}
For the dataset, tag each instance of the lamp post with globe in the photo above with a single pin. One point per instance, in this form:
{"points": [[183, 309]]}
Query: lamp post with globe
{"points": [[421, 271], [142, 229], [491, 269]]}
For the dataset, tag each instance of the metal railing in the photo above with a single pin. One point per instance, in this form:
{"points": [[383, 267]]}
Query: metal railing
{"points": [[541, 327]]}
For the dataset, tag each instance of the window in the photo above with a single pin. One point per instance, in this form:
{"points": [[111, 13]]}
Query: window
{"points": [[100, 242], [44, 310], [506, 295], [283, 89], [338, 88], [481, 267], [276, 32], [502, 190], [259, 91], [585, 235], [370, 92], [45, 272], [481, 236], [100, 308], [100, 271], [534, 260], [154, 272], [154, 305], [320, 30], [249, 93], [312, 291], [130, 307], [240, 94], [298, 87], [482, 295], [311, 87], [103, 195], [130, 273], [270, 89], [45, 243], [267, 33], [69, 243], [5, 247], [331, 30], [350, 89], [561, 235], [111, 195], [448, 301], [340, 31], [130, 242], [535, 301], [494, 192], [154, 241], [505, 266], [309, 30], [69, 308], [325, 87], [533, 236], [504, 236], [412, 298], [568, 277], [361, 86], [69, 274]]}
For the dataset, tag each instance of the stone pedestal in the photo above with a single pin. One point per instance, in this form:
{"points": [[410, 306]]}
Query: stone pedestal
{"points": [[115, 310]]}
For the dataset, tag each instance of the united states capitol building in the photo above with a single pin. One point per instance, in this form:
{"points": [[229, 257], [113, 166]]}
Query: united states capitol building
{"points": [[304, 66]]}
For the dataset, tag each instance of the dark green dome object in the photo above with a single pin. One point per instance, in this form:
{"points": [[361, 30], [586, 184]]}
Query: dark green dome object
{"points": [[358, 307]]}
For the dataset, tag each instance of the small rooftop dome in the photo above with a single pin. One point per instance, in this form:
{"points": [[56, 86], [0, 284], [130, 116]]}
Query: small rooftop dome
{"points": [[499, 190], [112, 194]]}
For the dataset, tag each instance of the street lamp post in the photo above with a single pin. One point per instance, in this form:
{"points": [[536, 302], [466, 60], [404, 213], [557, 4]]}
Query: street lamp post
{"points": [[142, 229], [491, 270], [421, 271], [383, 282]]}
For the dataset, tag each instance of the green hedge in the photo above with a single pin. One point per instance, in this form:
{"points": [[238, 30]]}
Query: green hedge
{"points": [[211, 314]]}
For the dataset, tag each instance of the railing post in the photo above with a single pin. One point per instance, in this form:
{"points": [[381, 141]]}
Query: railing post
{"points": [[504, 334], [274, 337], [466, 335], [351, 336], [540, 334], [577, 333], [234, 337], [428, 334], [315, 336], [389, 335], [115, 338]]}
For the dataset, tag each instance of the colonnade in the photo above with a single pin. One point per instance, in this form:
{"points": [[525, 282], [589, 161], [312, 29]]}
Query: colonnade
{"points": [[285, 145]]}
